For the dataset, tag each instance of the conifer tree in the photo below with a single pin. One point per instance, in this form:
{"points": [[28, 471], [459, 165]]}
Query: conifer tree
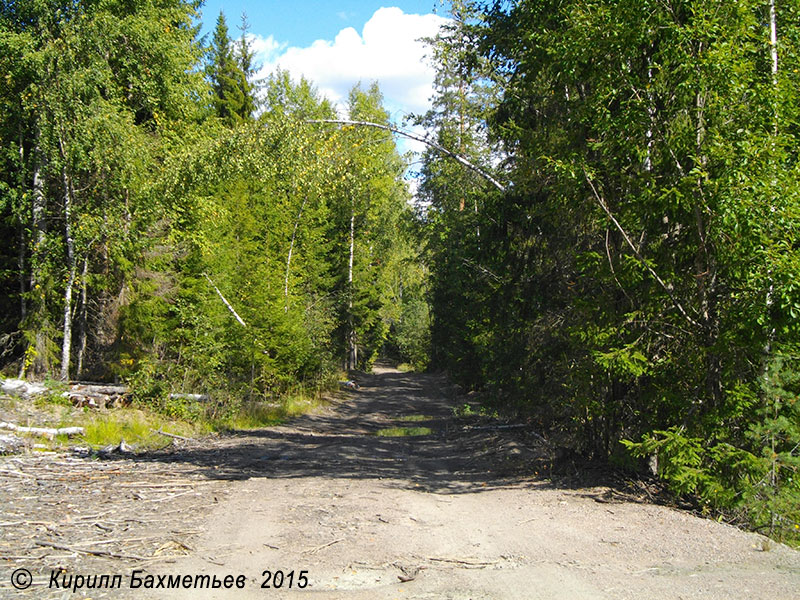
{"points": [[232, 100], [245, 57]]}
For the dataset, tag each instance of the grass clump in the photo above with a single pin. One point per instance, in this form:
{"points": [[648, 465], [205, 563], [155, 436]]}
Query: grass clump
{"points": [[257, 414], [472, 409], [137, 427], [414, 418], [404, 431]]}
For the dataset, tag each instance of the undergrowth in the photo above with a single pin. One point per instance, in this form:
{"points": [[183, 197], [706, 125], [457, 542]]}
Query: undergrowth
{"points": [[139, 423]]}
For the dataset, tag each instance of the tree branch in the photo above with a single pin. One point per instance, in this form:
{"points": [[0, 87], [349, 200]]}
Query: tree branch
{"points": [[228, 304], [457, 157], [636, 252]]}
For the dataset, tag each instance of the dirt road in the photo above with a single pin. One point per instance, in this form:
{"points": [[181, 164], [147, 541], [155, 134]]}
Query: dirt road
{"points": [[333, 509], [443, 517]]}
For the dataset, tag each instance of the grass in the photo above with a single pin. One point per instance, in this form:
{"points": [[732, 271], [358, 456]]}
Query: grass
{"points": [[403, 431], [472, 409], [414, 418], [137, 427], [254, 415], [138, 424]]}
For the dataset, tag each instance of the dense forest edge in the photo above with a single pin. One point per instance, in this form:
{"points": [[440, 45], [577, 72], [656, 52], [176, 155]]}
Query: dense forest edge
{"points": [[618, 267]]}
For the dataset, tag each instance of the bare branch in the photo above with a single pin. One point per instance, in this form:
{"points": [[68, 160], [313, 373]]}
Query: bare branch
{"points": [[228, 304], [457, 157]]}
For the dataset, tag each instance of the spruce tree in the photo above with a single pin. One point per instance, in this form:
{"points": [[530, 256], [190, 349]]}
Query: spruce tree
{"points": [[245, 58], [232, 96]]}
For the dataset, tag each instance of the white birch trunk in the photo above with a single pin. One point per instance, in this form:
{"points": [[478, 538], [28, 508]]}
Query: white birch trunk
{"points": [[83, 319], [66, 345], [773, 43], [773, 40], [289, 257], [773, 46], [39, 226], [225, 301], [352, 353], [23, 309]]}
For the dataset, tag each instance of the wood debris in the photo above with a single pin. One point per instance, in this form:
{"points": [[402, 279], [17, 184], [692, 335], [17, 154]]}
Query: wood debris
{"points": [[62, 511], [48, 432]]}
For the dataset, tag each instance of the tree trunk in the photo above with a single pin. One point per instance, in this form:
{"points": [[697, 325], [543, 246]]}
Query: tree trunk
{"points": [[773, 47], [706, 270], [773, 41], [83, 318], [66, 345], [40, 363], [23, 311], [22, 240], [352, 351], [289, 257]]}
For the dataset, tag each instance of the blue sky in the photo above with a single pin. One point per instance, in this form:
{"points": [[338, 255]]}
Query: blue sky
{"points": [[302, 22]]}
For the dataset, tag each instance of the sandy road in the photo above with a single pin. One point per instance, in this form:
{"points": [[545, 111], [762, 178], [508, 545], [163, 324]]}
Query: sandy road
{"points": [[364, 516]]}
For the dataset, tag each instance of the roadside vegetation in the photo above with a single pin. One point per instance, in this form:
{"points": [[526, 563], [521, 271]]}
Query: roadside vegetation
{"points": [[142, 424], [628, 282]]}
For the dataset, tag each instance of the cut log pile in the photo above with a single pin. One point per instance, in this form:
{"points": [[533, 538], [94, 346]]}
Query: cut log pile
{"points": [[97, 395]]}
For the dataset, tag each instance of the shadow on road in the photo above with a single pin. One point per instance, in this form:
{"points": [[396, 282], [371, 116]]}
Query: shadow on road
{"points": [[342, 442]]}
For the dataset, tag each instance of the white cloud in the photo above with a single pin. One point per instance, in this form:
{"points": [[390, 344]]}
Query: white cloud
{"points": [[387, 50], [264, 47]]}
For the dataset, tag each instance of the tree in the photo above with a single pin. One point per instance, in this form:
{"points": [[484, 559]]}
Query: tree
{"points": [[96, 87], [228, 70], [245, 57], [462, 283]]}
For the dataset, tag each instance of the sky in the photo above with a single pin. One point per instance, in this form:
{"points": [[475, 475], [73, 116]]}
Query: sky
{"points": [[337, 44]]}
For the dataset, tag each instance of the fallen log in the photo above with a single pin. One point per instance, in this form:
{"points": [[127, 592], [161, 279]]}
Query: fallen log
{"points": [[197, 397], [99, 388], [19, 387], [47, 432], [93, 395]]}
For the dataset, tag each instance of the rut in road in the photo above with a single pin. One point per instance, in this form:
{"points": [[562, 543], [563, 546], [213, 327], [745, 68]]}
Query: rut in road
{"points": [[458, 514]]}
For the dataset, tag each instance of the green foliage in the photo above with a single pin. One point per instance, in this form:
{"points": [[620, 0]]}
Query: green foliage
{"points": [[634, 282], [772, 500], [412, 333], [693, 467]]}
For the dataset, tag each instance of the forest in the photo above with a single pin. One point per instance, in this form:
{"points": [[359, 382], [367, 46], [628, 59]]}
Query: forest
{"points": [[617, 266]]}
